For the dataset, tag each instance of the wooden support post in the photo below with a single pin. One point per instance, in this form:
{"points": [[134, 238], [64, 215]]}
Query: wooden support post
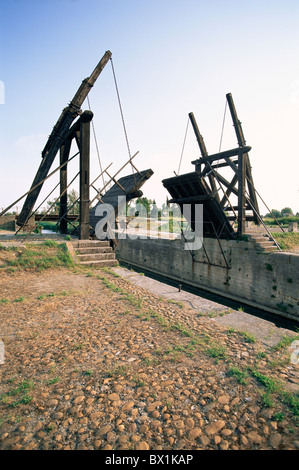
{"points": [[242, 143], [241, 194], [84, 174], [203, 152], [199, 139], [64, 155]]}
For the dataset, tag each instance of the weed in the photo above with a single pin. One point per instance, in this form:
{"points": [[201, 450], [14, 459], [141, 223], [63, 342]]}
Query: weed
{"points": [[278, 416], [249, 338], [53, 381], [116, 371], [184, 331], [270, 384], [50, 243], [217, 351], [267, 400], [21, 391], [238, 374], [285, 342]]}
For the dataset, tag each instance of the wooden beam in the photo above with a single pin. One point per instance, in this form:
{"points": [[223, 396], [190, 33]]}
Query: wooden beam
{"points": [[203, 151], [241, 194], [242, 143], [192, 199], [64, 155], [84, 174], [225, 154]]}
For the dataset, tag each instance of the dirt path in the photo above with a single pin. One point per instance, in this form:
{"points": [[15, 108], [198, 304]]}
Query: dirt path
{"points": [[94, 361]]}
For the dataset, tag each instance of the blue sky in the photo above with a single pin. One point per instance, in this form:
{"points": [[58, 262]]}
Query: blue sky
{"points": [[170, 57]]}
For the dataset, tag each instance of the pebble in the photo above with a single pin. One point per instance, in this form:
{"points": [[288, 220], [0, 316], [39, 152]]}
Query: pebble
{"points": [[215, 427], [159, 401]]}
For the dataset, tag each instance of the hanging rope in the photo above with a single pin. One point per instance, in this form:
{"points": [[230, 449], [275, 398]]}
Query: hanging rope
{"points": [[183, 145], [223, 126], [122, 115], [96, 142]]}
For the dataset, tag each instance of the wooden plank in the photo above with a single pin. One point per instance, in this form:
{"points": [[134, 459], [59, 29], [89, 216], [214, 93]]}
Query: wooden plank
{"points": [[223, 155], [128, 188]]}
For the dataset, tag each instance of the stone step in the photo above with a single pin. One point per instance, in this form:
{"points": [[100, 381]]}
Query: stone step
{"points": [[96, 257], [268, 248], [94, 250], [91, 243], [99, 263]]}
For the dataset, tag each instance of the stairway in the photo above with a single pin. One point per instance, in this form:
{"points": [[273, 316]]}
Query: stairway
{"points": [[94, 252], [262, 240]]}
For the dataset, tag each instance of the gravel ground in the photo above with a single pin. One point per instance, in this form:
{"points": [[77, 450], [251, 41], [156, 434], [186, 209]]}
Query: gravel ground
{"points": [[96, 362]]}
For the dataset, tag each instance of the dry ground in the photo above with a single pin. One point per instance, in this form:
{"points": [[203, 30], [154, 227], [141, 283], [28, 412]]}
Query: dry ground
{"points": [[95, 362]]}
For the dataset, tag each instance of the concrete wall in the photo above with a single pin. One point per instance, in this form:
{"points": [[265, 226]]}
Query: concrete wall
{"points": [[7, 222], [268, 281]]}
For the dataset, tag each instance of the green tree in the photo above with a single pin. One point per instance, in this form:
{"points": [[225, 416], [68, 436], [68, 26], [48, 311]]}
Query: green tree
{"points": [[72, 203], [274, 212], [286, 211], [144, 201]]}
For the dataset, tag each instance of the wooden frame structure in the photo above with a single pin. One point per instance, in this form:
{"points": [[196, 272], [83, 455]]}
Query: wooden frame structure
{"points": [[208, 186], [60, 140]]}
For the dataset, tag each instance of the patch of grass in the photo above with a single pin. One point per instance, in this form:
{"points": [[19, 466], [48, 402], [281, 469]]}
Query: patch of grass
{"points": [[53, 381], [117, 371], [238, 374], [267, 400], [292, 401], [217, 351], [270, 384], [112, 273], [249, 338], [183, 330], [288, 240], [285, 342], [51, 243], [21, 392], [278, 416], [38, 257], [20, 299]]}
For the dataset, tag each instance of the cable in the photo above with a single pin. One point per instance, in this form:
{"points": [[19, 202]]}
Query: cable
{"points": [[183, 145]]}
